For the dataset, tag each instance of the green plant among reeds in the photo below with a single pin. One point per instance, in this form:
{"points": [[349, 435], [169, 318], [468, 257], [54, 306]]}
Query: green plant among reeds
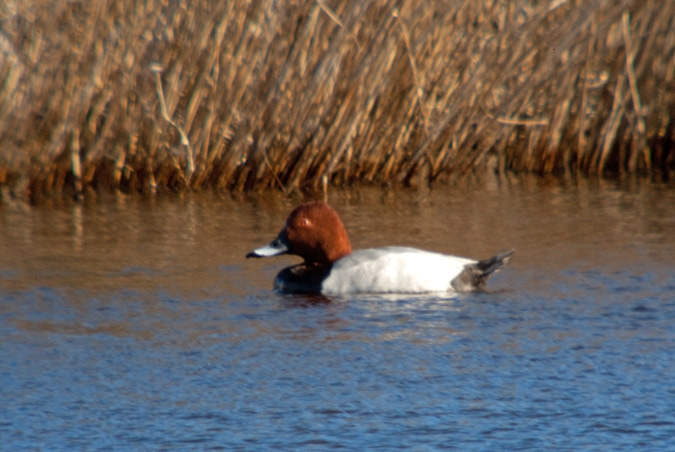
{"points": [[245, 95]]}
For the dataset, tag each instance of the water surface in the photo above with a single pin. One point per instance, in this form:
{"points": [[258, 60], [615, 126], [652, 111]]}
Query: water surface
{"points": [[136, 324]]}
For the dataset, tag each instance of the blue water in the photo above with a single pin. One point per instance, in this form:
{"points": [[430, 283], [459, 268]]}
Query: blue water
{"points": [[139, 326]]}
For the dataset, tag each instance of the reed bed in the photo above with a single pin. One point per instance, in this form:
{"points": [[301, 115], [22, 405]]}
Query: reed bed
{"points": [[241, 95]]}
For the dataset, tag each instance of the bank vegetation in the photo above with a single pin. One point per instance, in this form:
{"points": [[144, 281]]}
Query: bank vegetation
{"points": [[241, 95]]}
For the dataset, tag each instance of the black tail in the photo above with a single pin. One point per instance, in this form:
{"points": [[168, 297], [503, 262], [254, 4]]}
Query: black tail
{"points": [[475, 275]]}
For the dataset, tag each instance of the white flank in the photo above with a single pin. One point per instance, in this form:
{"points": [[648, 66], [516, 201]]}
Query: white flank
{"points": [[393, 270]]}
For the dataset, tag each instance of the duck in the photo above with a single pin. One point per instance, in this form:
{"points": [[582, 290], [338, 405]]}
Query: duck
{"points": [[315, 232]]}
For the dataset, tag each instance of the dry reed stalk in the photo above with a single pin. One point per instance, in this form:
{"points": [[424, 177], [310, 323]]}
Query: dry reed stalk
{"points": [[635, 95], [419, 92], [185, 142], [75, 163]]}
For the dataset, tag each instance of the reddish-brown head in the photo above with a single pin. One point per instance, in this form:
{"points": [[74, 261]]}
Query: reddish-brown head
{"points": [[315, 232]]}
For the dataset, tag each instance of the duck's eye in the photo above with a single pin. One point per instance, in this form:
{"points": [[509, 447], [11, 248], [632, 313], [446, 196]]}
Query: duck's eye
{"points": [[305, 222]]}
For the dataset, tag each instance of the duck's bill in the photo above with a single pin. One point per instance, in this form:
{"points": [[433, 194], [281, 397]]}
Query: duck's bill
{"points": [[273, 249]]}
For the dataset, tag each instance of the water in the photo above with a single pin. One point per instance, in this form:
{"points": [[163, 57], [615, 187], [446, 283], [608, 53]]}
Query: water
{"points": [[136, 324]]}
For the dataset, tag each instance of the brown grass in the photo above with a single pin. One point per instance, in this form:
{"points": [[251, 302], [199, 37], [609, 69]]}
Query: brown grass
{"points": [[241, 95]]}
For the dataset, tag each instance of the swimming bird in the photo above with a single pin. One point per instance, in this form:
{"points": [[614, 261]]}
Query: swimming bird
{"points": [[315, 232]]}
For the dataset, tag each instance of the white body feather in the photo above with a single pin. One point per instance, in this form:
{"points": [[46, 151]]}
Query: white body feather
{"points": [[393, 270]]}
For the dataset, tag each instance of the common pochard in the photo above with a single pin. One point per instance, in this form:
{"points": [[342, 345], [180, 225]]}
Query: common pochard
{"points": [[315, 232]]}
